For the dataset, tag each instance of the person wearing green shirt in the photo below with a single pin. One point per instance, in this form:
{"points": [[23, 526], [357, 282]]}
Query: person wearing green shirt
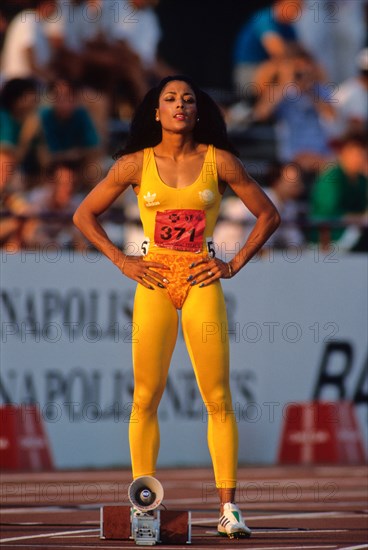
{"points": [[339, 195], [18, 98]]}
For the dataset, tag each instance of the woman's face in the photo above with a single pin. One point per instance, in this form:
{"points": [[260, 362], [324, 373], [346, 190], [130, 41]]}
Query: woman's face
{"points": [[353, 158], [177, 110]]}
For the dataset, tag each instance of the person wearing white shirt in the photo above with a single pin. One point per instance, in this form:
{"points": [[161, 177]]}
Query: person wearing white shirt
{"points": [[136, 24], [30, 41], [351, 106], [146, 24], [86, 21], [333, 32], [93, 53]]}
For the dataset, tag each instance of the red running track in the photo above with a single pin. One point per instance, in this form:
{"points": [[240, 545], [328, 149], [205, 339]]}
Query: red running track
{"points": [[287, 508]]}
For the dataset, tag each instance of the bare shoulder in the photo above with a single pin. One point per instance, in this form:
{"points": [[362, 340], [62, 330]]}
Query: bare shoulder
{"points": [[225, 156], [229, 167], [128, 168]]}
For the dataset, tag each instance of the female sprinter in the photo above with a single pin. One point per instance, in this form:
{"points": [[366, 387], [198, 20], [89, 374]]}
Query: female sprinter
{"points": [[179, 161]]}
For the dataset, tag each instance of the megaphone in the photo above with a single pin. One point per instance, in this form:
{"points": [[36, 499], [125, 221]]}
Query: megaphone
{"points": [[145, 493]]}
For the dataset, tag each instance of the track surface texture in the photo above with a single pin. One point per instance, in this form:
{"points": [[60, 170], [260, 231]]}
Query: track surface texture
{"points": [[287, 508]]}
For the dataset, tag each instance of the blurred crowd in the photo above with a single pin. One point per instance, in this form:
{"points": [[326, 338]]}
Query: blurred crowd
{"points": [[71, 69]]}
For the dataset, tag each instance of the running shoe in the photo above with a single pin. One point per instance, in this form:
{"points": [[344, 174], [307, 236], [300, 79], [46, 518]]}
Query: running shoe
{"points": [[231, 523]]}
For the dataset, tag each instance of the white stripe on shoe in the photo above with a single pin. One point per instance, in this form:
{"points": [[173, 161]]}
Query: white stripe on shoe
{"points": [[231, 522]]}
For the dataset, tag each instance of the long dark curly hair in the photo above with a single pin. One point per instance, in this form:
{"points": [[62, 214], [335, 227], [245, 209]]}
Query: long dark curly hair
{"points": [[146, 132]]}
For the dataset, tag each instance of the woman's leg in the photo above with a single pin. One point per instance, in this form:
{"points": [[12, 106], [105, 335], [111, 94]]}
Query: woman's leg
{"points": [[205, 331], [156, 322]]}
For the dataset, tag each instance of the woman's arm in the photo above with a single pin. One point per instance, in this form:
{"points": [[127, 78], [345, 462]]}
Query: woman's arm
{"points": [[232, 172], [125, 172]]}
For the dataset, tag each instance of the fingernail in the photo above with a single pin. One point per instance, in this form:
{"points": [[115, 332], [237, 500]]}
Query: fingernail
{"points": [[190, 278], [193, 283], [192, 265], [160, 285], [200, 286], [165, 281]]}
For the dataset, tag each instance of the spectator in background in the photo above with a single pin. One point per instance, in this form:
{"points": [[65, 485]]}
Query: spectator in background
{"points": [[334, 32], [82, 23], [286, 191], [133, 229], [137, 25], [94, 52], [267, 35], [236, 221], [352, 106], [18, 99], [340, 195], [54, 202], [65, 132], [31, 40], [300, 104], [85, 21]]}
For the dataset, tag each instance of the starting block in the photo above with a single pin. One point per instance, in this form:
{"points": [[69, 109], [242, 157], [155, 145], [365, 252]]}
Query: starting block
{"points": [[143, 522], [160, 527]]}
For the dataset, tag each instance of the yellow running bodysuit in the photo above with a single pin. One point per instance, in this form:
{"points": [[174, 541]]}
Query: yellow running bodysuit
{"points": [[178, 224]]}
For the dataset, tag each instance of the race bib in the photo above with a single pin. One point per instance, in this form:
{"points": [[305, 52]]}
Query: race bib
{"points": [[180, 229]]}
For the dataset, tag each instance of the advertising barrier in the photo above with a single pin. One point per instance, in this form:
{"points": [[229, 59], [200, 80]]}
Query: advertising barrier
{"points": [[297, 327]]}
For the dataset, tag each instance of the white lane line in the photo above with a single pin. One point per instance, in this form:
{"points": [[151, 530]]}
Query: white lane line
{"points": [[90, 522], [324, 547], [203, 521], [49, 535], [32, 510], [296, 515], [26, 523], [83, 547], [194, 547], [359, 547], [91, 536], [295, 547], [297, 530]]}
